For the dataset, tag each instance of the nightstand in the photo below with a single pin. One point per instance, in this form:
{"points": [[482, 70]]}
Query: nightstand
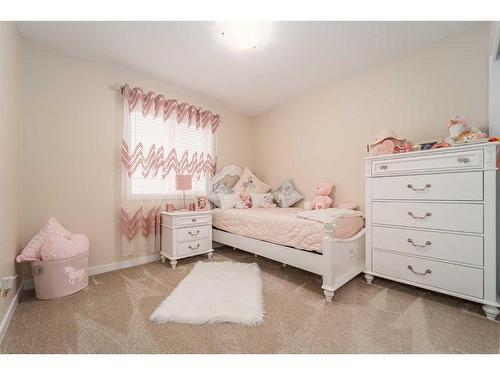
{"points": [[185, 234]]}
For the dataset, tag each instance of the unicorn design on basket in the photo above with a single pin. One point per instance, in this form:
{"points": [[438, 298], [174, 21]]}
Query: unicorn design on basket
{"points": [[74, 274]]}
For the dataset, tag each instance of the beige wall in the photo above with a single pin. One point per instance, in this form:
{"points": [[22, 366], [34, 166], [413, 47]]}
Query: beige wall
{"points": [[323, 135], [9, 154], [71, 144]]}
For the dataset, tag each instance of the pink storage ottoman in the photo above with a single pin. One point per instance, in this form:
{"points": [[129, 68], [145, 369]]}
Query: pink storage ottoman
{"points": [[61, 277]]}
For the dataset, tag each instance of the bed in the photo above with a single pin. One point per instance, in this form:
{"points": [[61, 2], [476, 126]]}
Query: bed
{"points": [[282, 226], [280, 235]]}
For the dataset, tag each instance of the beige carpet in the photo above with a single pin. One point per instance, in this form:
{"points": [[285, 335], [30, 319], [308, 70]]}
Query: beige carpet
{"points": [[111, 316]]}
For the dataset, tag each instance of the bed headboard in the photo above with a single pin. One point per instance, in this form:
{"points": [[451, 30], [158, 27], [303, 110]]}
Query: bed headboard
{"points": [[228, 170]]}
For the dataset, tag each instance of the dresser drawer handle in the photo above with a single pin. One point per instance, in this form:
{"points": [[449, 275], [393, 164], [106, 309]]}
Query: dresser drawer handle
{"points": [[427, 214], [427, 186], [427, 271], [463, 160], [194, 234], [384, 166], [194, 248], [427, 243], [193, 220]]}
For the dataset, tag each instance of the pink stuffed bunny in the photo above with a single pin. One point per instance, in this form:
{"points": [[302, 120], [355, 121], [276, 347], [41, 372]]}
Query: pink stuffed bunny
{"points": [[322, 199]]}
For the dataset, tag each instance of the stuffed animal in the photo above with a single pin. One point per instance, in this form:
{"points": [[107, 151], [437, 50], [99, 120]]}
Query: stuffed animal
{"points": [[322, 199], [244, 202], [267, 201], [461, 131]]}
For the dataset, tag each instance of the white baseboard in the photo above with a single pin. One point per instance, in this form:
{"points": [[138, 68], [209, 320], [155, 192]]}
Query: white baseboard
{"points": [[4, 324], [96, 270]]}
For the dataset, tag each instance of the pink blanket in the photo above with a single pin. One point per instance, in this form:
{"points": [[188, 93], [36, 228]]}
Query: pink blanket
{"points": [[282, 226]]}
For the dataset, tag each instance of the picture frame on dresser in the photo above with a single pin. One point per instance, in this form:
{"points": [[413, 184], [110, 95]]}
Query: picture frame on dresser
{"points": [[432, 219]]}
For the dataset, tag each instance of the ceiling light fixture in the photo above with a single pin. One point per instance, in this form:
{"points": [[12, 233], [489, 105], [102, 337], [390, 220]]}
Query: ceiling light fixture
{"points": [[244, 35]]}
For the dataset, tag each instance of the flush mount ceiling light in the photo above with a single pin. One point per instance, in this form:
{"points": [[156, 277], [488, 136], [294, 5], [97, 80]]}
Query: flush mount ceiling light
{"points": [[243, 35]]}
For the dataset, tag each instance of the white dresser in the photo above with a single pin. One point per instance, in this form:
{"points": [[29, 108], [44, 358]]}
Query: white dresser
{"points": [[185, 234], [431, 221]]}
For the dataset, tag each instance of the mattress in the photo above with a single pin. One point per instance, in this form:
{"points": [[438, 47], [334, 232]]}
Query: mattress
{"points": [[282, 226]]}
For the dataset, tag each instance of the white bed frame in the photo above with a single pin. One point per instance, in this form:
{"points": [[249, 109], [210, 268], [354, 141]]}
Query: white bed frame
{"points": [[340, 261]]}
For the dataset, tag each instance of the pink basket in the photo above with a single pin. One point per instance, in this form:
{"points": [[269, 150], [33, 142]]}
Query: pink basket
{"points": [[62, 277]]}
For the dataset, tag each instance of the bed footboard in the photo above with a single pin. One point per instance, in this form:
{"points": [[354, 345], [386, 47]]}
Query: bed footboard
{"points": [[342, 260]]}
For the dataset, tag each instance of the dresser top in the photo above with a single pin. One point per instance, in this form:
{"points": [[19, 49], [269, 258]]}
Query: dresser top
{"points": [[475, 146], [186, 213]]}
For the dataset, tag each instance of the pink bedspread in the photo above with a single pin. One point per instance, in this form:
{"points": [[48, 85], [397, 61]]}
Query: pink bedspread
{"points": [[282, 226]]}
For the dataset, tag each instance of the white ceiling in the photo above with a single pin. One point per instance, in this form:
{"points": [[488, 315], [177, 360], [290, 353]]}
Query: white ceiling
{"points": [[299, 56]]}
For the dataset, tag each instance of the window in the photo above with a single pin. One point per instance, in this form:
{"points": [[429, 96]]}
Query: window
{"points": [[154, 132]]}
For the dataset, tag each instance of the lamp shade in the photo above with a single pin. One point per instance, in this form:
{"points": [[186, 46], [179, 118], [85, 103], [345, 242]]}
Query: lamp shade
{"points": [[183, 182]]}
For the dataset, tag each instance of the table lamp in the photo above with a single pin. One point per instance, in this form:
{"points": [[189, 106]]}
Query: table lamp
{"points": [[183, 182]]}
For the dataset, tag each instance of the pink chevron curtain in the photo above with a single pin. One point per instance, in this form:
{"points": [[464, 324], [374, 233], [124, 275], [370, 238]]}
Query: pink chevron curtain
{"points": [[161, 138]]}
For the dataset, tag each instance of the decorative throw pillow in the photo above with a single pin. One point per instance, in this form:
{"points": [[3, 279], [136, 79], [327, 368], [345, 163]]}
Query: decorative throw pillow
{"points": [[228, 201], [57, 247], [286, 195], [32, 250], [257, 199], [221, 188], [249, 183]]}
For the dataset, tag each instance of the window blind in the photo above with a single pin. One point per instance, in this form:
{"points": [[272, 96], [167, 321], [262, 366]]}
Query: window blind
{"points": [[151, 131]]}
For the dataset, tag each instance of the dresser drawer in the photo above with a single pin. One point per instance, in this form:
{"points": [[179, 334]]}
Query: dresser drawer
{"points": [[460, 217], [466, 186], [193, 247], [450, 277], [426, 163], [442, 246], [193, 233], [194, 220]]}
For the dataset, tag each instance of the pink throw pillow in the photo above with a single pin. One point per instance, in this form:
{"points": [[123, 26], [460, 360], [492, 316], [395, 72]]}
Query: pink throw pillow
{"points": [[32, 250], [57, 247]]}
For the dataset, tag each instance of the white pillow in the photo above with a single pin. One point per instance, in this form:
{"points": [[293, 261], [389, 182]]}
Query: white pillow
{"points": [[251, 182], [228, 201], [221, 188], [257, 199]]}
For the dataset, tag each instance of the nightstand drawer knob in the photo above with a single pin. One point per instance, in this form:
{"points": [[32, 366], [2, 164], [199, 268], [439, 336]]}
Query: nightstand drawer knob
{"points": [[193, 220], [194, 234], [194, 248]]}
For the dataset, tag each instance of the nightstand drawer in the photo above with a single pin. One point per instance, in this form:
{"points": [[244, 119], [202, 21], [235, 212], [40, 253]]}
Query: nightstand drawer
{"points": [[193, 247], [193, 233], [192, 220]]}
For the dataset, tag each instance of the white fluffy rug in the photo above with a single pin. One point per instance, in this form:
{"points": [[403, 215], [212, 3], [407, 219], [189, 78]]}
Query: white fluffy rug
{"points": [[215, 292]]}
